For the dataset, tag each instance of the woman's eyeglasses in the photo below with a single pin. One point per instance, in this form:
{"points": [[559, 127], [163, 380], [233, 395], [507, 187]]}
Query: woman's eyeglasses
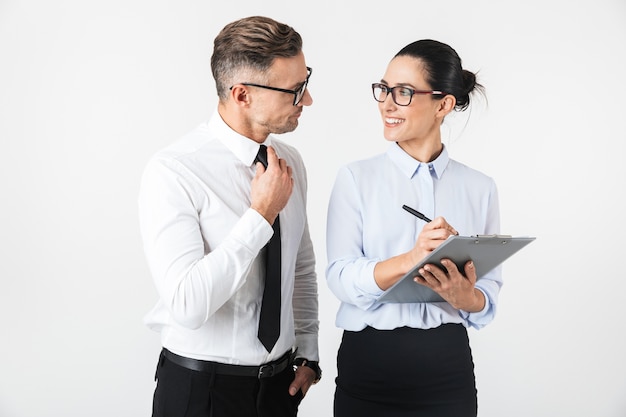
{"points": [[402, 96]]}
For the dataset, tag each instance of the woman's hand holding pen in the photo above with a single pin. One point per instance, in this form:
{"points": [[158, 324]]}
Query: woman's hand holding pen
{"points": [[432, 235]]}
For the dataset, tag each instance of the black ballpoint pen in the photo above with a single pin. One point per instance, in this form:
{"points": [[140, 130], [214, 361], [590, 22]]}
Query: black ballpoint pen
{"points": [[416, 213]]}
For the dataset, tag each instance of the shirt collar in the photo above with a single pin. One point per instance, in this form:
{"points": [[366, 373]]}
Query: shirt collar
{"points": [[409, 165], [244, 148]]}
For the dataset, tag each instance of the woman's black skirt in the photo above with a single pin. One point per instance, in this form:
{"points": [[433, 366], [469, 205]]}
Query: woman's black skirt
{"points": [[406, 372]]}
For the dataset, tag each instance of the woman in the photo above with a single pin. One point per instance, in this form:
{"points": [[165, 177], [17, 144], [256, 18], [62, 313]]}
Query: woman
{"points": [[410, 359]]}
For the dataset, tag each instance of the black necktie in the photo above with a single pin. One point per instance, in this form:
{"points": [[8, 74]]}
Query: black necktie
{"points": [[269, 321]]}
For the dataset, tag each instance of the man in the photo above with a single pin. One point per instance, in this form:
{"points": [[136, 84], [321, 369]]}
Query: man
{"points": [[208, 208]]}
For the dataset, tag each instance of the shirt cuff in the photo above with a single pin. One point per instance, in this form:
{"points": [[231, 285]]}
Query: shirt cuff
{"points": [[253, 229], [478, 316], [367, 283], [307, 347]]}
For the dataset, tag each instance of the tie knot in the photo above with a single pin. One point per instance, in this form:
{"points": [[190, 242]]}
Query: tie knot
{"points": [[261, 156]]}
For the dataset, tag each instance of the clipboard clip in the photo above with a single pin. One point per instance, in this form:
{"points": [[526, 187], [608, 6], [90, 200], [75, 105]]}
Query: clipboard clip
{"points": [[494, 236]]}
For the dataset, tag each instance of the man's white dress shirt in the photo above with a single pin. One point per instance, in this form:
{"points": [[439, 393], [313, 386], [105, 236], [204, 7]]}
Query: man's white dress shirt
{"points": [[202, 242]]}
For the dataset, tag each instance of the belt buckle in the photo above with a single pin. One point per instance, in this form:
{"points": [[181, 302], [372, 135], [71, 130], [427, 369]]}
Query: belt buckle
{"points": [[266, 371]]}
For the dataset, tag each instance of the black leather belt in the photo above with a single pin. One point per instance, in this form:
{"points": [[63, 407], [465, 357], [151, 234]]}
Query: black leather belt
{"points": [[264, 371]]}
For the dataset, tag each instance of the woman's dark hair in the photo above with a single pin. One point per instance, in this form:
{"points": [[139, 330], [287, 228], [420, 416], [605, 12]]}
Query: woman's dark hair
{"points": [[443, 69]]}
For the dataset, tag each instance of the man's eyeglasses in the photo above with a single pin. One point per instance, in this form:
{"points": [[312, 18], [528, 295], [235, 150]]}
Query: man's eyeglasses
{"points": [[402, 96], [297, 94]]}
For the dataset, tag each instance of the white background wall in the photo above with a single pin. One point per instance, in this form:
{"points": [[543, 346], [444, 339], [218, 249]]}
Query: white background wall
{"points": [[89, 90]]}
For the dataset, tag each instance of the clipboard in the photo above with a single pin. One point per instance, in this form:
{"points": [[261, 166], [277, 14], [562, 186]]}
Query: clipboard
{"points": [[487, 252]]}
